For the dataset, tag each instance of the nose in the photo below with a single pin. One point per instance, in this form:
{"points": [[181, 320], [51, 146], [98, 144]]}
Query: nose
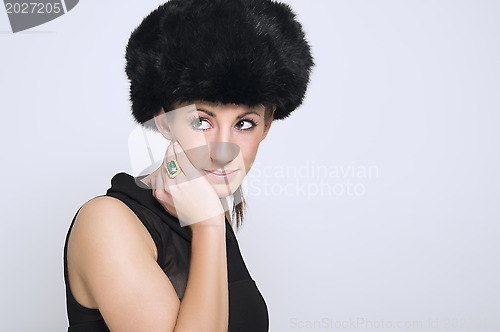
{"points": [[222, 153]]}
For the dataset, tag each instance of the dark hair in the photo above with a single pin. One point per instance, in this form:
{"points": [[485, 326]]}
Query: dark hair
{"points": [[239, 207]]}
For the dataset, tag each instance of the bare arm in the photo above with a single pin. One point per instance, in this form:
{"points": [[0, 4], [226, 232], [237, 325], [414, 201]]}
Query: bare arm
{"points": [[112, 266], [205, 303]]}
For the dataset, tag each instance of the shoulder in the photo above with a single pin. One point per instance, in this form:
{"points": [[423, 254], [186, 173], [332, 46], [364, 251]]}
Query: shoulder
{"points": [[104, 209], [107, 219], [105, 227], [112, 266]]}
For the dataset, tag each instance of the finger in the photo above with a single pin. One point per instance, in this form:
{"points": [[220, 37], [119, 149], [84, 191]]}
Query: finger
{"points": [[170, 178], [166, 180], [169, 154], [187, 167], [162, 194]]}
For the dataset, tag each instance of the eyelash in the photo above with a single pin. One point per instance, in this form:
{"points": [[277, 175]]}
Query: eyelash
{"points": [[202, 119]]}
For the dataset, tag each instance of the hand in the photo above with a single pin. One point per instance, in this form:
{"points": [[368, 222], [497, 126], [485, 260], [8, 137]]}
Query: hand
{"points": [[189, 195]]}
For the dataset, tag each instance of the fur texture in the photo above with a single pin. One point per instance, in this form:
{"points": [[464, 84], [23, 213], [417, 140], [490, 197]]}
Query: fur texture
{"points": [[246, 52]]}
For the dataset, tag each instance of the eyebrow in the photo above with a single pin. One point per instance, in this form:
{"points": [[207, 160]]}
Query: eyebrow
{"points": [[213, 115]]}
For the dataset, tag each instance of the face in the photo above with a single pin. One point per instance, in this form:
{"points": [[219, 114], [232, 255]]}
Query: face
{"points": [[220, 140]]}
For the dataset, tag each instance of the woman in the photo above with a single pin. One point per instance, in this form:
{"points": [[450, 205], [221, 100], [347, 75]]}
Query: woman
{"points": [[158, 252]]}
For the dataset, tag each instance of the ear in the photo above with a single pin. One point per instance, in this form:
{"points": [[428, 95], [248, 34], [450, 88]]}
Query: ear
{"points": [[268, 122], [162, 125]]}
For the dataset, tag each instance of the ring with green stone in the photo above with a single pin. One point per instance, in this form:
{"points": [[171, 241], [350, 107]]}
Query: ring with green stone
{"points": [[173, 168]]}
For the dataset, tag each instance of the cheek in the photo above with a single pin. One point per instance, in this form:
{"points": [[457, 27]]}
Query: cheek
{"points": [[195, 146], [249, 152], [190, 139]]}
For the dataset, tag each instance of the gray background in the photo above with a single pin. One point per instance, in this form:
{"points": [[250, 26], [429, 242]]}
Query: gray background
{"points": [[407, 89]]}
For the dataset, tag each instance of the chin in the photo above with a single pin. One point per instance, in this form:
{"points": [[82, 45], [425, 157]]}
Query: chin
{"points": [[224, 190]]}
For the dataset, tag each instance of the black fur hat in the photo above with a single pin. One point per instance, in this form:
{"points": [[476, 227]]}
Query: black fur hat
{"points": [[246, 52]]}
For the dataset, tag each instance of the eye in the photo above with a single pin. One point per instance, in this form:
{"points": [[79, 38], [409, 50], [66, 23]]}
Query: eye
{"points": [[200, 124], [245, 124]]}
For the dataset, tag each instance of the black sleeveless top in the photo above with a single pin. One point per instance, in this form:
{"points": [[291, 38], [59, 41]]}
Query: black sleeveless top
{"points": [[247, 308]]}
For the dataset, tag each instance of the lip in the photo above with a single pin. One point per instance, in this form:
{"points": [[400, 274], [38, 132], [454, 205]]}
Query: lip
{"points": [[221, 176]]}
